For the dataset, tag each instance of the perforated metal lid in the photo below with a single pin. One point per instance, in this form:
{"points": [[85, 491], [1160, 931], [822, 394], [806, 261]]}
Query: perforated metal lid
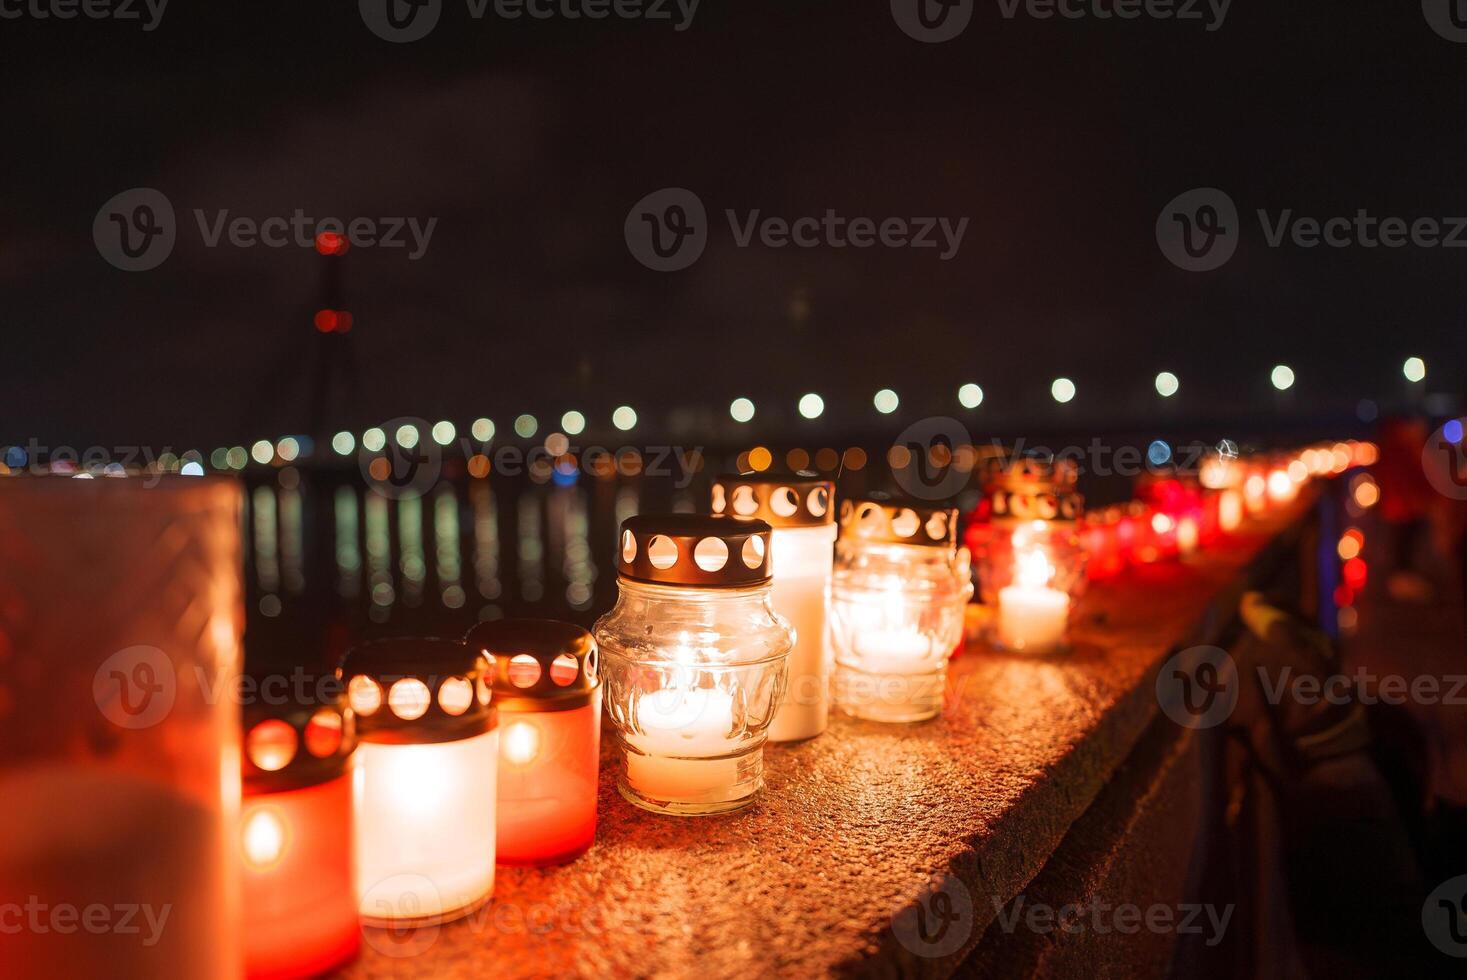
{"points": [[537, 664], [884, 519], [799, 499], [413, 690], [694, 550]]}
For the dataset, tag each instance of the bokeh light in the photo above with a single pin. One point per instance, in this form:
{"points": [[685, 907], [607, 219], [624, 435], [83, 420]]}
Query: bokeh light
{"points": [[812, 406], [970, 396], [482, 429], [1062, 390], [525, 426], [374, 440], [1282, 377], [343, 443], [624, 418], [886, 401], [741, 410], [443, 432], [573, 422], [1414, 369], [1167, 384]]}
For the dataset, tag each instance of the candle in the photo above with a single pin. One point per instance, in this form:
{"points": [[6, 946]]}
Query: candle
{"points": [[547, 689], [897, 601], [296, 836], [799, 508], [1032, 616], [424, 795], [695, 663], [1229, 510], [119, 782], [681, 730]]}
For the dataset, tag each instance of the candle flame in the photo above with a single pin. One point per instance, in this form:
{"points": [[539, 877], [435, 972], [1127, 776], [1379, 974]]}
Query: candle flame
{"points": [[1035, 571]]}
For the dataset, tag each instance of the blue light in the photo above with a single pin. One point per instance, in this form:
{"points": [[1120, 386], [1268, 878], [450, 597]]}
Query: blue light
{"points": [[1453, 431], [15, 456], [1159, 453]]}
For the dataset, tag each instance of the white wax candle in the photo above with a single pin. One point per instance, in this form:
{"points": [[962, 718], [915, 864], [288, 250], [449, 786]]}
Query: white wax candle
{"points": [[892, 652], [1031, 618], [683, 734], [802, 561], [1031, 615]]}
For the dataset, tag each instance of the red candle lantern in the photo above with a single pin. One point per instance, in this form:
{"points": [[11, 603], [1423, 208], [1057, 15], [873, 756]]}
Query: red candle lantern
{"points": [[1174, 524], [300, 913], [1221, 477], [546, 685], [1106, 542]]}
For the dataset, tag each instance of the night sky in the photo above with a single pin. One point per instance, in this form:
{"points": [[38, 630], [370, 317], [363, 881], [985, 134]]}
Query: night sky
{"points": [[529, 141]]}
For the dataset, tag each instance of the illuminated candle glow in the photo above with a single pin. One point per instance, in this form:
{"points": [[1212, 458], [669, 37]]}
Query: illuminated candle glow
{"points": [[1035, 565], [695, 661], [548, 693], [425, 779], [897, 598], [296, 836], [801, 511], [1032, 617]]}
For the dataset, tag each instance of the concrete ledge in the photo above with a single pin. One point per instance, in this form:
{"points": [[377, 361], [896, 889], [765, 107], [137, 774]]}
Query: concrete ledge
{"points": [[854, 825]]}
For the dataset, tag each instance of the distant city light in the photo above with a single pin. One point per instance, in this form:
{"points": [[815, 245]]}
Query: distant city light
{"points": [[262, 451], [573, 422], [238, 457], [1167, 384], [482, 430], [526, 426], [288, 449], [812, 406], [1282, 377], [886, 401], [192, 468], [1159, 453], [970, 396], [741, 410], [1063, 390], [406, 435], [1414, 369], [1452, 431], [219, 459], [343, 443], [374, 440], [624, 418], [443, 432]]}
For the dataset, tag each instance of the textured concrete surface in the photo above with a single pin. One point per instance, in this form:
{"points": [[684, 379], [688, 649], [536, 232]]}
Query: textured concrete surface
{"points": [[854, 824]]}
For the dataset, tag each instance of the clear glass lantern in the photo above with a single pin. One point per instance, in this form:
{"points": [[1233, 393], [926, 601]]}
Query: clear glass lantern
{"points": [[694, 659], [425, 779], [1034, 564], [800, 508], [896, 610], [296, 832], [548, 694]]}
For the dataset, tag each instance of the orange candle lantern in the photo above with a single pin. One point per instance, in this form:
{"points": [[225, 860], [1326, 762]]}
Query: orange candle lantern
{"points": [[1221, 477], [300, 911], [425, 779], [548, 693]]}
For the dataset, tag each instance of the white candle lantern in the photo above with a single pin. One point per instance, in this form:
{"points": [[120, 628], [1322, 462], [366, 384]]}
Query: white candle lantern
{"points": [[425, 779], [694, 659], [1034, 564], [800, 508], [897, 597]]}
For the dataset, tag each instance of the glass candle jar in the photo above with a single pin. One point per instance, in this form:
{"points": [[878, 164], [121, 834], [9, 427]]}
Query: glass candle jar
{"points": [[296, 836], [695, 661], [1105, 543], [425, 779], [1034, 566], [120, 616], [799, 508], [548, 694], [896, 611], [1175, 500]]}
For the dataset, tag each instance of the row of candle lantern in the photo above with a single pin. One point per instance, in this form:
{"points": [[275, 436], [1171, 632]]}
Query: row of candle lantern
{"points": [[730, 630]]}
